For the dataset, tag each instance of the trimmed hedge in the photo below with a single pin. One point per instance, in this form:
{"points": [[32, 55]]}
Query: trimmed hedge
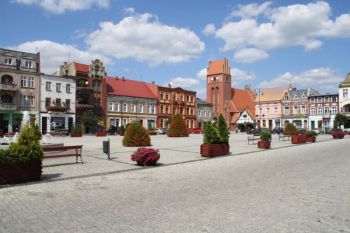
{"points": [[290, 129], [136, 135], [177, 127]]}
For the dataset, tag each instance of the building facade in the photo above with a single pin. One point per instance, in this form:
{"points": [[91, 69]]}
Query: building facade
{"points": [[91, 90], [173, 101], [204, 112], [268, 107], [131, 101], [344, 96], [295, 106], [322, 111], [19, 88], [233, 103], [57, 103]]}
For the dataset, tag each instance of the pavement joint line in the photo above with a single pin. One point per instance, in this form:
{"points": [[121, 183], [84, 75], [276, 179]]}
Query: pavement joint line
{"points": [[154, 167]]}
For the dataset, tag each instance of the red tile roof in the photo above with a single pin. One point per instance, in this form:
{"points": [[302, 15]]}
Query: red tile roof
{"points": [[243, 99], [82, 68], [218, 67], [126, 87]]}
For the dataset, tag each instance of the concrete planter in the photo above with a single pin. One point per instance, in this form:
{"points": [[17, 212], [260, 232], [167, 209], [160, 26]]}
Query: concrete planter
{"points": [[311, 139], [297, 139], [20, 172], [101, 134], [212, 150], [264, 144], [75, 134]]}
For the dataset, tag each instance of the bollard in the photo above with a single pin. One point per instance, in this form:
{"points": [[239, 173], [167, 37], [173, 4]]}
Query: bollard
{"points": [[107, 148]]}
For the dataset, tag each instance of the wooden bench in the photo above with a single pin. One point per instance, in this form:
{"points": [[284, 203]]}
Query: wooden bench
{"points": [[283, 137], [253, 138], [63, 151]]}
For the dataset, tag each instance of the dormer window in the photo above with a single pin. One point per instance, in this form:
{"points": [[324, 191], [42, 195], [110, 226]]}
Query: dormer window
{"points": [[8, 61], [295, 97], [29, 64], [97, 71], [304, 96]]}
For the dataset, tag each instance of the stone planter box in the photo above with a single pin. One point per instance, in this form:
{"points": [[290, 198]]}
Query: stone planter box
{"points": [[297, 139], [101, 134], [212, 150], [20, 172], [266, 144], [311, 139], [75, 134]]}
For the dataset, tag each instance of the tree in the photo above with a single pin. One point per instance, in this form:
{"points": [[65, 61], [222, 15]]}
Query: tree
{"points": [[136, 135], [224, 133], [177, 127], [89, 119], [339, 120]]}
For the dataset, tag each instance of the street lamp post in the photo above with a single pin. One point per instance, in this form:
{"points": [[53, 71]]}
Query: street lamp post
{"points": [[259, 93]]}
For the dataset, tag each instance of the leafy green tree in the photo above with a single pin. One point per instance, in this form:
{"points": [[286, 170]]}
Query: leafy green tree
{"points": [[89, 119], [211, 134], [223, 130], [339, 120]]}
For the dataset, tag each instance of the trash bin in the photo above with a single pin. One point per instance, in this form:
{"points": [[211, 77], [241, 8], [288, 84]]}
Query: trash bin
{"points": [[106, 148]]}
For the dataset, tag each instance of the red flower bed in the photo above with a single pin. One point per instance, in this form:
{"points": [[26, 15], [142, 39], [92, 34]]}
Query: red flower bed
{"points": [[145, 156], [338, 134]]}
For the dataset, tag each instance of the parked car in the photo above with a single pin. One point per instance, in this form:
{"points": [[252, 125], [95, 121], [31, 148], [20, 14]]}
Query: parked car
{"points": [[277, 130], [162, 131]]}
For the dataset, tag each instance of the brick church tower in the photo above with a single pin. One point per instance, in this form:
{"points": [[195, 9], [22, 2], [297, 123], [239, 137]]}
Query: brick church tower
{"points": [[219, 91]]}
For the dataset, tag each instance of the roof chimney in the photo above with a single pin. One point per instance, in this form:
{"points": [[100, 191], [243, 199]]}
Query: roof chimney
{"points": [[123, 78], [153, 83], [169, 85]]}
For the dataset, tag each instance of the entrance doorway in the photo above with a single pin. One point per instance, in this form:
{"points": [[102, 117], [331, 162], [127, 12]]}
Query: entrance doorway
{"points": [[44, 125]]}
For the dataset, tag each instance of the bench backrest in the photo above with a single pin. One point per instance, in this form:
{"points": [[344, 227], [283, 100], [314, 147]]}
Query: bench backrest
{"points": [[60, 148]]}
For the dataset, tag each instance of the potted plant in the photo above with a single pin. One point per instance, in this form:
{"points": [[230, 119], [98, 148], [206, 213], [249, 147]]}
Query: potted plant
{"points": [[145, 156], [215, 139], [338, 134], [76, 131], [265, 140], [23, 160], [311, 136], [100, 132]]}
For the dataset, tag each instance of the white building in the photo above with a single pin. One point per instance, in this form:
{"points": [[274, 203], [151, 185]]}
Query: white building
{"points": [[344, 96], [57, 103]]}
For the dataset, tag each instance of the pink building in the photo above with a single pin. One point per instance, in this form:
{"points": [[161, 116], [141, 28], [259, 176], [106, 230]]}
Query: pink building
{"points": [[268, 107]]}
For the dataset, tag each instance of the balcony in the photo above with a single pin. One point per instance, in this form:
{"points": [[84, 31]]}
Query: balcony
{"points": [[326, 116], [8, 87], [57, 108], [8, 106]]}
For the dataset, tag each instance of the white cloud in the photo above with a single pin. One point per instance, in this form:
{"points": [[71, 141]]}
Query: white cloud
{"points": [[209, 29], [241, 76], [143, 38], [251, 10], [186, 83], [53, 54], [250, 55], [322, 79], [129, 10], [304, 25], [61, 6], [202, 74]]}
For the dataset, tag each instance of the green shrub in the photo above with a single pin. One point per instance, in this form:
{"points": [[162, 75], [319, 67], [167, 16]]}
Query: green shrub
{"points": [[136, 135], [222, 127], [311, 133], [177, 127], [26, 148], [290, 129], [211, 134], [265, 135], [77, 127]]}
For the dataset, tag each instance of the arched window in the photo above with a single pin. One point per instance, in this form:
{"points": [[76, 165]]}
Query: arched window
{"points": [[97, 71], [6, 79], [6, 99]]}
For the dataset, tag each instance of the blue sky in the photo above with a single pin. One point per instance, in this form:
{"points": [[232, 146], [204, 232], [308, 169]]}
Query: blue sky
{"points": [[268, 43]]}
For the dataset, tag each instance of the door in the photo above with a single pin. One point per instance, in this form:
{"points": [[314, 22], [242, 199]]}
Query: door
{"points": [[270, 124], [70, 124], [44, 125]]}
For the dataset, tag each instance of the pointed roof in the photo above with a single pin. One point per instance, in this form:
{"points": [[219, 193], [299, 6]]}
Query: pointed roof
{"points": [[81, 68], [271, 94], [218, 67], [125, 87], [347, 79], [243, 100]]}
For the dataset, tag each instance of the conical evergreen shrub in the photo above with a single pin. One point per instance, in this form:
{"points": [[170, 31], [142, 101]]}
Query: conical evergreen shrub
{"points": [[136, 135], [177, 127]]}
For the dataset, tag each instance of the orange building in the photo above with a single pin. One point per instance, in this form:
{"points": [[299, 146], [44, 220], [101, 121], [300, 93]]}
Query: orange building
{"points": [[236, 105], [176, 101]]}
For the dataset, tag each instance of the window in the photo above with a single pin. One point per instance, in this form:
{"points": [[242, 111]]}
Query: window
{"points": [[161, 108], [319, 99], [141, 108], [285, 97], [204, 113], [117, 107], [295, 109], [68, 103], [58, 87], [286, 110], [303, 109], [276, 110], [267, 111], [334, 110], [27, 100], [166, 96], [27, 81], [125, 107], [162, 95], [110, 106], [48, 86], [8, 61], [68, 88], [319, 110], [209, 113], [260, 111], [345, 93], [312, 99], [334, 99], [96, 86], [326, 99], [153, 109], [29, 64], [312, 111], [199, 113], [326, 110], [133, 108], [47, 102], [58, 102]]}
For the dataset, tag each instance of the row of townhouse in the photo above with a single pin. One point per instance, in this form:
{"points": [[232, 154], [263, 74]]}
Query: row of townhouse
{"points": [[58, 101]]}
